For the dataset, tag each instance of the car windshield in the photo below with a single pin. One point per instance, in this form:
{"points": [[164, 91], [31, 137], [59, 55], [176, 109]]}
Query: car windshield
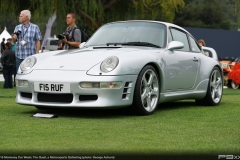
{"points": [[131, 33]]}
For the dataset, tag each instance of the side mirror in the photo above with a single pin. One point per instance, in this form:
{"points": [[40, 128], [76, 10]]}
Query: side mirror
{"points": [[82, 44], [175, 45]]}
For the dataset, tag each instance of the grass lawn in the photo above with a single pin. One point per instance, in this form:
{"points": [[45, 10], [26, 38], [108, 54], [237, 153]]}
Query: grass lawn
{"points": [[179, 127]]}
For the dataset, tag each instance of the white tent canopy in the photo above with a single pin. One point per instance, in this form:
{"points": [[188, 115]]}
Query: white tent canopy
{"points": [[5, 35]]}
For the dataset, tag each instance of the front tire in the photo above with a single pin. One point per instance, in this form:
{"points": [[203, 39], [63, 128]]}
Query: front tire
{"points": [[214, 91], [146, 92]]}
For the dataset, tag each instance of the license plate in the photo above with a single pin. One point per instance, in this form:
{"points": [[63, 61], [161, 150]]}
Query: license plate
{"points": [[52, 87]]}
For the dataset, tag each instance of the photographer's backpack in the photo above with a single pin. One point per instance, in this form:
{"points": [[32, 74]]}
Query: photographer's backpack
{"points": [[84, 36]]}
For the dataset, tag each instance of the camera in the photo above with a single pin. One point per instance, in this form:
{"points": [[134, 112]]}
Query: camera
{"points": [[17, 33], [61, 36]]}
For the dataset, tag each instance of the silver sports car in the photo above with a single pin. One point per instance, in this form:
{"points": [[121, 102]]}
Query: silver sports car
{"points": [[139, 64]]}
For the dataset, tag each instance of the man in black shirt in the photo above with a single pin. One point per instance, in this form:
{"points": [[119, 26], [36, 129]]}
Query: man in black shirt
{"points": [[3, 45], [8, 62]]}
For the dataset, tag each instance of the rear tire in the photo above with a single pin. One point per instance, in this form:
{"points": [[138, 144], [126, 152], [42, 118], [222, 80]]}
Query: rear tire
{"points": [[215, 89], [146, 92], [232, 84]]}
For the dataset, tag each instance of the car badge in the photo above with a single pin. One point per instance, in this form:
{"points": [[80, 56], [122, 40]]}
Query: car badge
{"points": [[61, 66]]}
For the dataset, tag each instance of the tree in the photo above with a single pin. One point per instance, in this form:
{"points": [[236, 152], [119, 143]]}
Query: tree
{"points": [[91, 13], [157, 9], [237, 11], [207, 14]]}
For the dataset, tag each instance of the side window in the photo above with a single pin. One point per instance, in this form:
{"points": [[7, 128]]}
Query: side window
{"points": [[54, 42], [207, 53], [194, 46], [181, 37]]}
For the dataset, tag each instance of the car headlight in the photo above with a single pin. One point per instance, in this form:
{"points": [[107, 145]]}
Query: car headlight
{"points": [[28, 63], [109, 64]]}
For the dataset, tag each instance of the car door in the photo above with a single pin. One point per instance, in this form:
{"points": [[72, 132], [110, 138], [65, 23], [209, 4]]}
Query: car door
{"points": [[181, 65]]}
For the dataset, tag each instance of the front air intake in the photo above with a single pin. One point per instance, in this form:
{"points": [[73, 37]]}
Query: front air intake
{"points": [[59, 98], [88, 97], [26, 95], [127, 90]]}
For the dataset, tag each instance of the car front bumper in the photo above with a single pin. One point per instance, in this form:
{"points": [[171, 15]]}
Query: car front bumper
{"points": [[78, 97]]}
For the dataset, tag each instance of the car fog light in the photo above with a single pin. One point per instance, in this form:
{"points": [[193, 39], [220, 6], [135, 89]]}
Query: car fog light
{"points": [[110, 84], [21, 83], [89, 84], [100, 84]]}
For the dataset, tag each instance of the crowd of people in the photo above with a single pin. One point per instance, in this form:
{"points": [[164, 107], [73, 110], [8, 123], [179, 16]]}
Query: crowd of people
{"points": [[26, 41]]}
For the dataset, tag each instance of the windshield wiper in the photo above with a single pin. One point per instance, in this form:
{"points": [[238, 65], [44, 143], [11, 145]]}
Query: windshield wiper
{"points": [[135, 44]]}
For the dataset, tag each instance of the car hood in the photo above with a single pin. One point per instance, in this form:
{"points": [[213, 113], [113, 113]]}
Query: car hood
{"points": [[82, 59]]}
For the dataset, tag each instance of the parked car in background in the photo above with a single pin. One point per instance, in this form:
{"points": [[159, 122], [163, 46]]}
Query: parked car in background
{"points": [[52, 44], [137, 64], [234, 74], [227, 63]]}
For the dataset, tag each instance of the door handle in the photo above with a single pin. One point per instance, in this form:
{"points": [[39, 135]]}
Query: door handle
{"points": [[195, 59]]}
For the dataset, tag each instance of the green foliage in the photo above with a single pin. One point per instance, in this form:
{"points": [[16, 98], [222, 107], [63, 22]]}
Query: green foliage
{"points": [[91, 14], [207, 14], [119, 11], [237, 11], [8, 14], [157, 9]]}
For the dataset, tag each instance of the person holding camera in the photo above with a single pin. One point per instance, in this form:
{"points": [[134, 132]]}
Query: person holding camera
{"points": [[72, 36], [28, 37]]}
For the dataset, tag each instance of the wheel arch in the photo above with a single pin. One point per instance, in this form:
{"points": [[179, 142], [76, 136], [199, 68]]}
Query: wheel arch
{"points": [[221, 71]]}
